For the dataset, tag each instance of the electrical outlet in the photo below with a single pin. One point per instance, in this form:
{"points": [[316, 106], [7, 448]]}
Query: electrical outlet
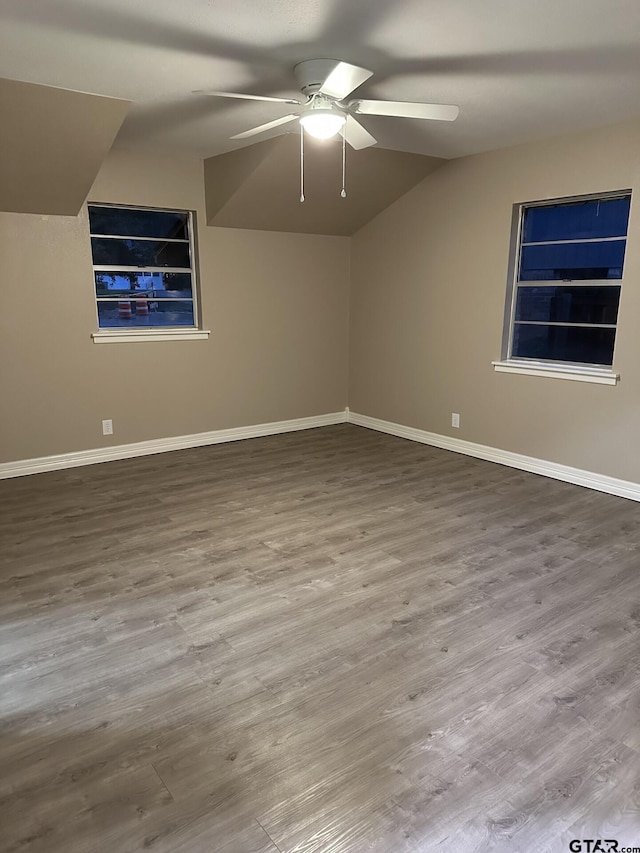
{"points": [[455, 420], [107, 427]]}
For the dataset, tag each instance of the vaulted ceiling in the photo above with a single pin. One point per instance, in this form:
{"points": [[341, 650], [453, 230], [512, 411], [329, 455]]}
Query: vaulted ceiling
{"points": [[52, 145], [518, 69], [259, 186]]}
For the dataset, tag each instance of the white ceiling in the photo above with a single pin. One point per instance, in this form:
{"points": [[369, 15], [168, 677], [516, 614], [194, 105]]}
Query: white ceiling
{"points": [[518, 69]]}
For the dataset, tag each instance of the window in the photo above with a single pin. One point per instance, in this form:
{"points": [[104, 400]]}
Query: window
{"points": [[566, 289], [143, 267]]}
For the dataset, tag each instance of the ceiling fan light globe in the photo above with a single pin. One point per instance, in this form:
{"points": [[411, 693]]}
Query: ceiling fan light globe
{"points": [[322, 124]]}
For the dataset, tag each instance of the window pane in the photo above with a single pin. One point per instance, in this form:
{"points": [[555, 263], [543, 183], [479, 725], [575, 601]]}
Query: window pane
{"points": [[165, 284], [566, 304], [139, 253], [129, 222], [578, 220], [564, 343], [143, 312], [572, 261]]}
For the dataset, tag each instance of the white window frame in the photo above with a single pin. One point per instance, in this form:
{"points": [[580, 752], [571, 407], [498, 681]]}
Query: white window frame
{"points": [[151, 333], [580, 371]]}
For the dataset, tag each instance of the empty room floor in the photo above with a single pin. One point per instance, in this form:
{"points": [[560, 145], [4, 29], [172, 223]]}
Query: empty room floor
{"points": [[330, 641]]}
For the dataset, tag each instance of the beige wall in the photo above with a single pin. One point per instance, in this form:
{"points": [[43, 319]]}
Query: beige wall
{"points": [[428, 286], [428, 283], [278, 320]]}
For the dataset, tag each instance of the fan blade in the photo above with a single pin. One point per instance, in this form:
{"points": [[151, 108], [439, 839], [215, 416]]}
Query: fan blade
{"points": [[246, 97], [262, 127], [356, 135], [343, 80], [405, 109]]}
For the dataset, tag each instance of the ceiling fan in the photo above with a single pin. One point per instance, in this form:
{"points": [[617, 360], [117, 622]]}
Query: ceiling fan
{"points": [[326, 83]]}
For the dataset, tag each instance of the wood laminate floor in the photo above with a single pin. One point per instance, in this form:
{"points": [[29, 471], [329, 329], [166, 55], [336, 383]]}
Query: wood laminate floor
{"points": [[331, 641]]}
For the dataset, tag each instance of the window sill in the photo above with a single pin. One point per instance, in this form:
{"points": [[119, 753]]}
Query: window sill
{"points": [[598, 375], [155, 335]]}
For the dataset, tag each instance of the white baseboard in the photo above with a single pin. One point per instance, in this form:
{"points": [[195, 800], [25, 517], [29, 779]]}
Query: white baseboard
{"points": [[599, 482], [588, 479], [75, 459]]}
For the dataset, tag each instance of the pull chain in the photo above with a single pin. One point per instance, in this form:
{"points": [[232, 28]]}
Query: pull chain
{"points": [[301, 164], [344, 167]]}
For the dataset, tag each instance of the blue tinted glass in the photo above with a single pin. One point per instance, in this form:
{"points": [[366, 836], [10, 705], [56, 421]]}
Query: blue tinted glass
{"points": [[166, 284], [572, 261], [144, 312], [578, 220], [129, 222], [568, 304], [564, 343], [139, 253]]}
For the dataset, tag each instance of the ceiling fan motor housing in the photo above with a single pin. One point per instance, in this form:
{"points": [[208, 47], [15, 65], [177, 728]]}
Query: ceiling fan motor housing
{"points": [[312, 73]]}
